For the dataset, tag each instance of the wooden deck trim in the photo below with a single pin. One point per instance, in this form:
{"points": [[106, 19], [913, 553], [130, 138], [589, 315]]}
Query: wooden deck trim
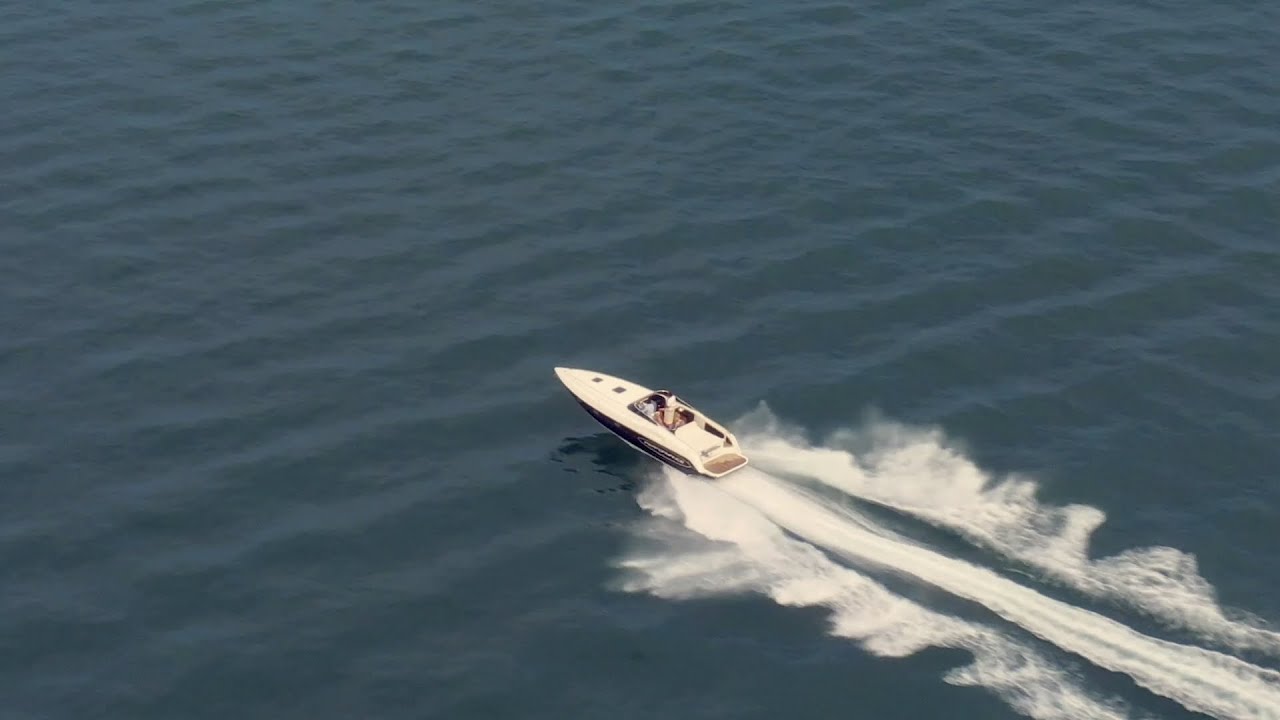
{"points": [[725, 463]]}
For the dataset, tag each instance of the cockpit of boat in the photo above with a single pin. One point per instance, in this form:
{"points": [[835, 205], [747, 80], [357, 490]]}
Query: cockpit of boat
{"points": [[685, 415]]}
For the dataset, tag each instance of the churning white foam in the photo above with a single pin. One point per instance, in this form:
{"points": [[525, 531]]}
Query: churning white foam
{"points": [[751, 553], [746, 513], [916, 472]]}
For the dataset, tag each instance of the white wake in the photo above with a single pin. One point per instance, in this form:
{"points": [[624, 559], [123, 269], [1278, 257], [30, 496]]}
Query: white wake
{"points": [[915, 472], [745, 515], [752, 554]]}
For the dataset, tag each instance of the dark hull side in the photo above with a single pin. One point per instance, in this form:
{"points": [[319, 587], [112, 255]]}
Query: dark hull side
{"points": [[645, 445]]}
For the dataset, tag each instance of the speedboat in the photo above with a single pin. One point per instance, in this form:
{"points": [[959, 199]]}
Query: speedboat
{"points": [[656, 422]]}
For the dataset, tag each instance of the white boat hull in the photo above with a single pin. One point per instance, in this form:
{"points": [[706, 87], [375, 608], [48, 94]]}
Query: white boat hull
{"points": [[695, 444]]}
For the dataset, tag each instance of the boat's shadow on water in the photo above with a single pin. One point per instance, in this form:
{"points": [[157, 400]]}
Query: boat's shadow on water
{"points": [[601, 454]]}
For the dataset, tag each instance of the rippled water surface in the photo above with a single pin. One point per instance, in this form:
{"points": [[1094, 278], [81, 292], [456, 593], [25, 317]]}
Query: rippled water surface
{"points": [[990, 293]]}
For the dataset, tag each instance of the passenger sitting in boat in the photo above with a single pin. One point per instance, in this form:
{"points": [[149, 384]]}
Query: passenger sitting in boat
{"points": [[667, 414]]}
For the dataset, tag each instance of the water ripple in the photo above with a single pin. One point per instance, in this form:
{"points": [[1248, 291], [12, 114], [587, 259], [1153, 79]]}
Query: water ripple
{"points": [[285, 282]]}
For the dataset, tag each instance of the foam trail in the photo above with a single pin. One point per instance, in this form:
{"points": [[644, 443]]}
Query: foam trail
{"points": [[753, 554], [1201, 680], [913, 471]]}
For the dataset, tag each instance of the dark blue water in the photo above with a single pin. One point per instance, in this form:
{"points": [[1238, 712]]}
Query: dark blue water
{"points": [[989, 292]]}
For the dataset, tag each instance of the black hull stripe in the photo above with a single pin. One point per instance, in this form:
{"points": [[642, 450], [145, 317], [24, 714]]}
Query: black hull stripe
{"points": [[650, 448]]}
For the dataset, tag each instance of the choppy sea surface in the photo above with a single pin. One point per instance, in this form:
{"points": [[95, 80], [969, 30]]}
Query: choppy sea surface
{"points": [[990, 293]]}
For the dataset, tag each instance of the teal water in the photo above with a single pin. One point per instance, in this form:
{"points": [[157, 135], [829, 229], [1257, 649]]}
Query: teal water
{"points": [[988, 291]]}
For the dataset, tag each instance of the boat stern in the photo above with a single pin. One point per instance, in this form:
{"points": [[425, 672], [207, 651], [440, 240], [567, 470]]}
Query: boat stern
{"points": [[723, 464]]}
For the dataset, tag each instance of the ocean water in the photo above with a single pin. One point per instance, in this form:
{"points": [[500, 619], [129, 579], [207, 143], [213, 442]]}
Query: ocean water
{"points": [[990, 293]]}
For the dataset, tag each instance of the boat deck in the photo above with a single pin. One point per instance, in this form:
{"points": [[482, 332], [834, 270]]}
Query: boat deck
{"points": [[725, 463]]}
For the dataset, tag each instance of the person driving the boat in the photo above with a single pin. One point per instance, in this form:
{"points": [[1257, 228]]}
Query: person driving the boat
{"points": [[649, 406]]}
